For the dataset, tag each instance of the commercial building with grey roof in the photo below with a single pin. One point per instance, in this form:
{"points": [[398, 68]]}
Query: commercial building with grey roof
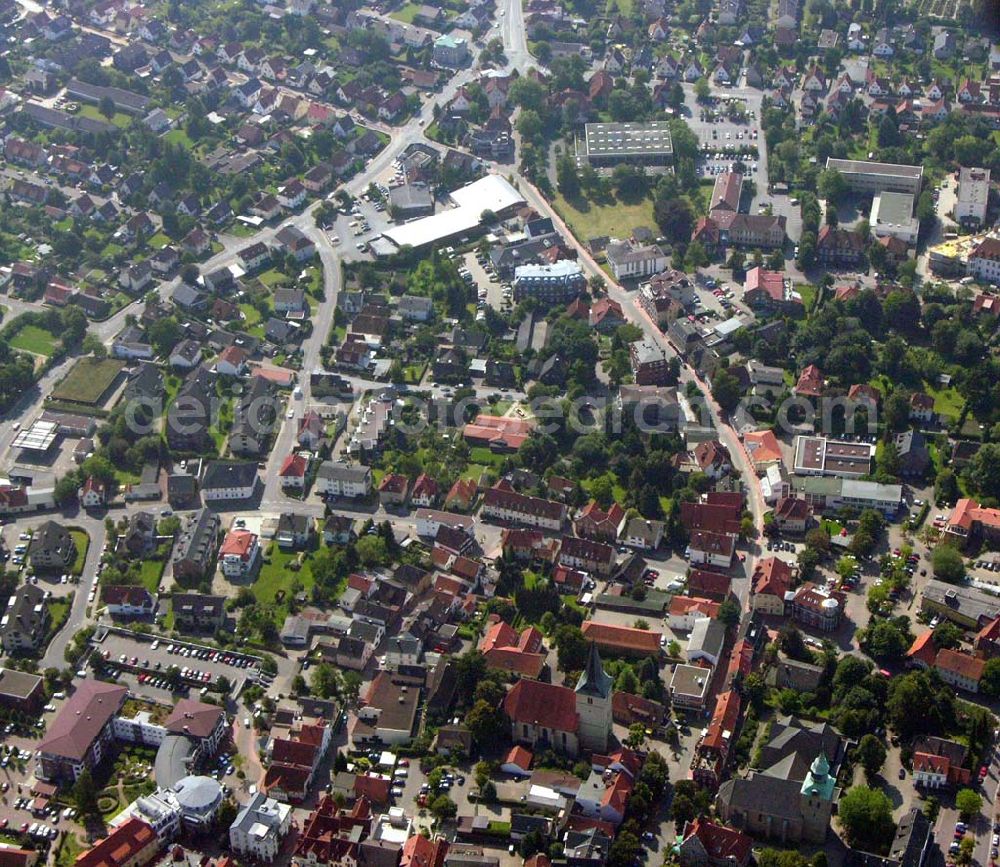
{"points": [[965, 605], [868, 177], [605, 145]]}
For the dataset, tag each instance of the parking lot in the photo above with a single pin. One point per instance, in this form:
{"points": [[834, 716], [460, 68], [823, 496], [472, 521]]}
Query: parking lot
{"points": [[724, 139], [355, 226], [19, 810], [489, 289], [143, 663]]}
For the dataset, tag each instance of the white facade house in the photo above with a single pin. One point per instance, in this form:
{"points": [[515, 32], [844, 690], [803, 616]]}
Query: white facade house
{"points": [[228, 480], [259, 828], [631, 261], [239, 553], [984, 263], [335, 480], [973, 195], [429, 521], [706, 641]]}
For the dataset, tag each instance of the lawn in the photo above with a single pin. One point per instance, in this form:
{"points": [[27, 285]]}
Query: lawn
{"points": [[150, 574], [273, 277], [251, 317], [474, 471], [33, 339], [88, 380], [241, 230], [159, 240], [58, 613], [947, 401], [703, 198], [615, 219], [120, 119], [178, 136], [618, 491], [413, 373], [831, 527], [276, 577], [486, 457], [82, 541], [407, 13]]}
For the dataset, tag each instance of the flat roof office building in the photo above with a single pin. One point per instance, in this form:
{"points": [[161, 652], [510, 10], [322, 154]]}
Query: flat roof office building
{"points": [[606, 145], [867, 177]]}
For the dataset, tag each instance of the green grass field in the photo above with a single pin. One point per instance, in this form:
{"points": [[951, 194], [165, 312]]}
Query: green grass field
{"points": [[58, 613], [486, 457], [276, 577], [475, 471], [947, 401], [89, 379], [178, 136], [150, 574], [251, 315], [617, 220], [618, 491], [82, 541], [273, 277], [407, 13], [159, 240], [69, 849], [120, 119], [33, 339], [808, 293]]}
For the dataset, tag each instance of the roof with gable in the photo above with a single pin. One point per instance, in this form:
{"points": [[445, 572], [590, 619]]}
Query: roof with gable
{"points": [[519, 756], [961, 664], [968, 512], [623, 638], [81, 718], [294, 466], [121, 846], [721, 843], [791, 509], [762, 446], [772, 576], [237, 543], [543, 704], [725, 718], [681, 605], [193, 718], [810, 382], [705, 583], [922, 649]]}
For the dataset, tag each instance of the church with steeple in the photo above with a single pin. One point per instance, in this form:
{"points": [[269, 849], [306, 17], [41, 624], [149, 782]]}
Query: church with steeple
{"points": [[791, 796], [548, 716], [593, 703]]}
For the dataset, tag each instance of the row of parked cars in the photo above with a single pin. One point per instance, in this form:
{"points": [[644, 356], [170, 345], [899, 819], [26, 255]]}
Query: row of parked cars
{"points": [[234, 659]]}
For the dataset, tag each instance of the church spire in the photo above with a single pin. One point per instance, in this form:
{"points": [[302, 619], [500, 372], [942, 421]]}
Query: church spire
{"points": [[595, 680]]}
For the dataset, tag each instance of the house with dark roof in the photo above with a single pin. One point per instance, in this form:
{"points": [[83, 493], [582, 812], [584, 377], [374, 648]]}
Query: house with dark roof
{"points": [[791, 795], [198, 612], [51, 547], [25, 621], [195, 549], [707, 844], [82, 731], [228, 480], [127, 600]]}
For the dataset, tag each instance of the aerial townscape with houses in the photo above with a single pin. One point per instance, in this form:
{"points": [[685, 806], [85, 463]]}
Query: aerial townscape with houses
{"points": [[485, 433]]}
